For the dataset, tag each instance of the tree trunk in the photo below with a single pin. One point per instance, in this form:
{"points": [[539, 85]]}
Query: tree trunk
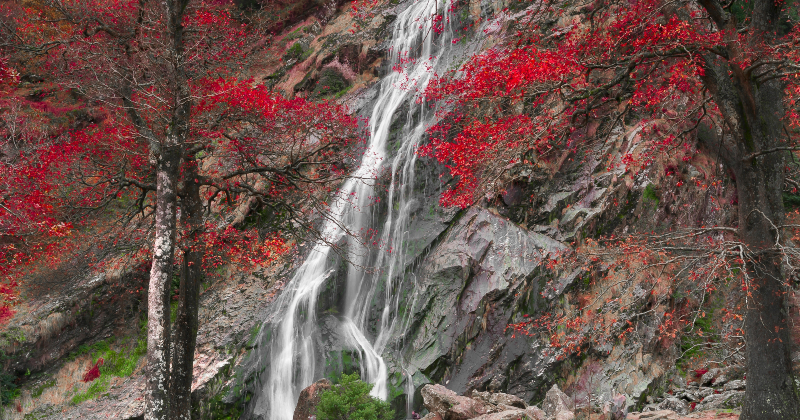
{"points": [[156, 391], [186, 321], [770, 392]]}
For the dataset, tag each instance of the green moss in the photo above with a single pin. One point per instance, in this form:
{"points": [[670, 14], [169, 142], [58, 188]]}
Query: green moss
{"points": [[650, 194], [331, 82], [39, 390], [298, 52]]}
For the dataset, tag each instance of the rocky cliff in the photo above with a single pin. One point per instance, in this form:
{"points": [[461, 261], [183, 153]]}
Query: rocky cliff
{"points": [[466, 275]]}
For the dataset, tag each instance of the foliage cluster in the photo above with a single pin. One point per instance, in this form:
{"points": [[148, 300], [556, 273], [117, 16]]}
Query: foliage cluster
{"points": [[350, 400]]}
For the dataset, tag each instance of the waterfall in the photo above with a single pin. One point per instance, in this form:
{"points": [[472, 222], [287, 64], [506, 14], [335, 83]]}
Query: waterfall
{"points": [[293, 359]]}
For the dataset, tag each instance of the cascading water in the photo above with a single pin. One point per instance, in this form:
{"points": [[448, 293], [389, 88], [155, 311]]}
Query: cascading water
{"points": [[293, 360]]}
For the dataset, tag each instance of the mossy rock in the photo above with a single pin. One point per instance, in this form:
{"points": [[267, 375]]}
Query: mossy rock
{"points": [[297, 52], [331, 81]]}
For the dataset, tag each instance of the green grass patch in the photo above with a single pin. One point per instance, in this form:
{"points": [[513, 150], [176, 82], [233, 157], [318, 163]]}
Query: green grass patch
{"points": [[120, 363], [98, 387]]}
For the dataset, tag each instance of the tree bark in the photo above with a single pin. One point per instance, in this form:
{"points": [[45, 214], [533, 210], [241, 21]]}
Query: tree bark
{"points": [[186, 321], [156, 390], [770, 392], [752, 113]]}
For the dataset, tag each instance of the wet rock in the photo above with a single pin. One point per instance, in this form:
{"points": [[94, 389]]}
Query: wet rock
{"points": [[735, 385], [309, 399], [654, 415], [725, 400], [558, 405], [449, 405]]}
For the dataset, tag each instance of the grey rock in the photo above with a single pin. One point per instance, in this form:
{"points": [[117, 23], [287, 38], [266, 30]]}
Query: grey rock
{"points": [[556, 404], [499, 398], [708, 377], [675, 404], [514, 414], [691, 396], [725, 400], [432, 416], [720, 380], [735, 385], [654, 415], [535, 413], [705, 392], [617, 408]]}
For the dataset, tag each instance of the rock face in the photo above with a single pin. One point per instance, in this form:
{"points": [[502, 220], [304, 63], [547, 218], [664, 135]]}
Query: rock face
{"points": [[309, 399]]}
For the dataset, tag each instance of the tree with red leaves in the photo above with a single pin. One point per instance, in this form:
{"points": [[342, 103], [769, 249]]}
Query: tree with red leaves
{"points": [[188, 138], [721, 73]]}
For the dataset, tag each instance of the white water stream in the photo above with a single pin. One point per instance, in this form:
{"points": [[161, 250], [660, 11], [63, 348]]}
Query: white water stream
{"points": [[293, 363]]}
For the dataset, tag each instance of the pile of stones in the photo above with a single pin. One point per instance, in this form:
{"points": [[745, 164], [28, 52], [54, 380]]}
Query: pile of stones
{"points": [[714, 389], [444, 404]]}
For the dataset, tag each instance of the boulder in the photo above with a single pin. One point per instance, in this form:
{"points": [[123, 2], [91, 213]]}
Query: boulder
{"points": [[430, 416], [735, 385], [535, 413], [449, 405], [515, 414], [499, 398], [674, 404], [704, 392], [654, 415], [690, 395], [725, 400], [617, 407], [708, 377], [558, 405], [309, 399], [720, 380]]}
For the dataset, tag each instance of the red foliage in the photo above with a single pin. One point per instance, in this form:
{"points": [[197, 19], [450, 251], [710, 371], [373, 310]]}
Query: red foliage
{"points": [[562, 81], [94, 372], [249, 147]]}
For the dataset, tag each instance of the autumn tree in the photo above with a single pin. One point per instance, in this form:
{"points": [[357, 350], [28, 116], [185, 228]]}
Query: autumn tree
{"points": [[722, 74], [189, 139]]}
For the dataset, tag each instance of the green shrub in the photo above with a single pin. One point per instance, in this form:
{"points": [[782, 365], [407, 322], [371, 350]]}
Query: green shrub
{"points": [[8, 388], [331, 82], [350, 400]]}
